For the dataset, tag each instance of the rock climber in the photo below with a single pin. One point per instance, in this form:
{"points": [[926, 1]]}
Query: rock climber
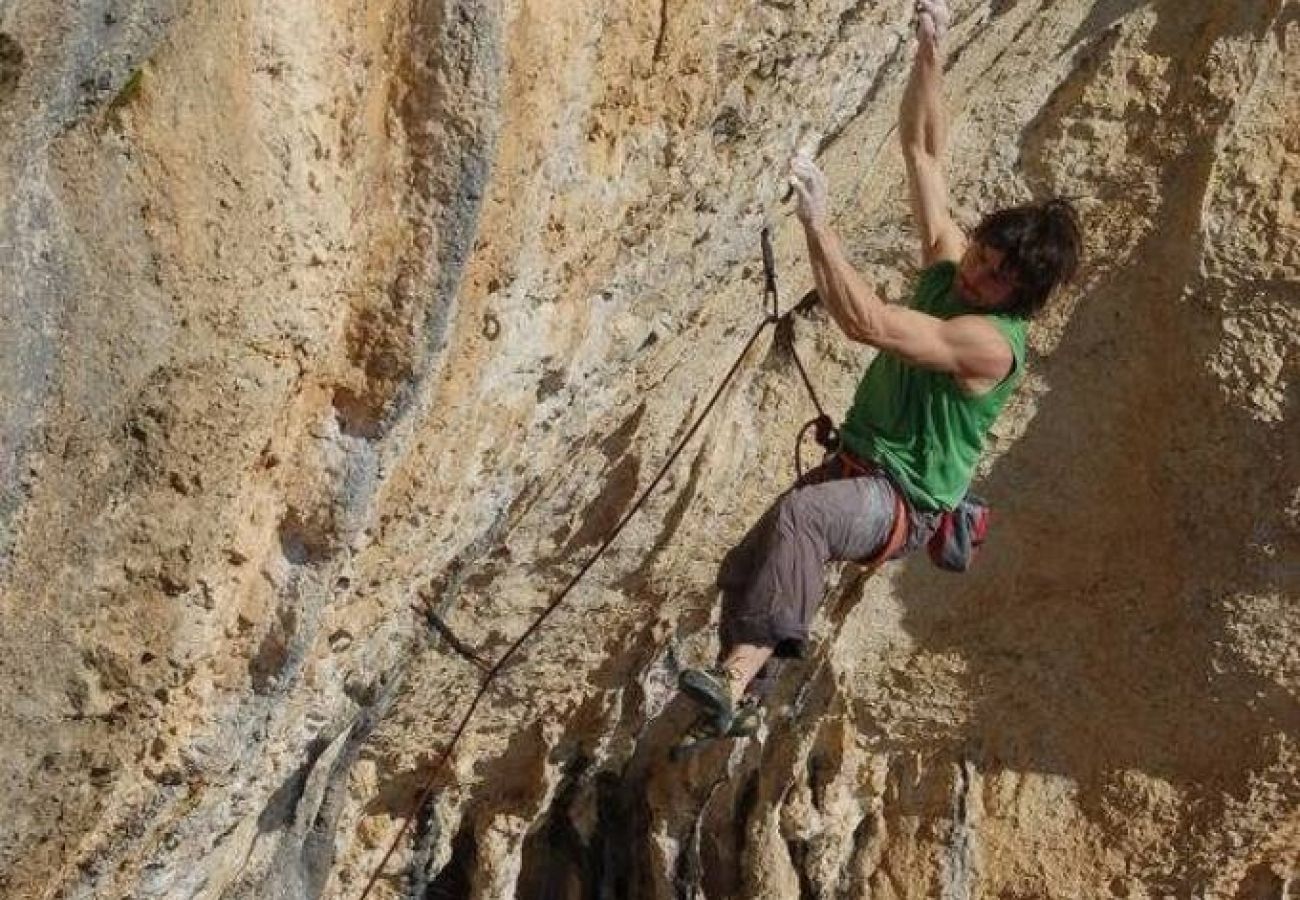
{"points": [[946, 366]]}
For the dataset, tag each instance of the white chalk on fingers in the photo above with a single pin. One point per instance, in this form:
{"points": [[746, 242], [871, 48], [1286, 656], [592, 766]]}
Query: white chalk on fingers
{"points": [[937, 10], [932, 20]]}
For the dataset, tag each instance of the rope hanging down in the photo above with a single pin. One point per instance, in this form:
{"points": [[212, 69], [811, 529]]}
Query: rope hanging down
{"points": [[823, 426], [825, 429]]}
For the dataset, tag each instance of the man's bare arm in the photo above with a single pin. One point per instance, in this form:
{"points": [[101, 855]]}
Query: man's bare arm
{"points": [[923, 131], [968, 347]]}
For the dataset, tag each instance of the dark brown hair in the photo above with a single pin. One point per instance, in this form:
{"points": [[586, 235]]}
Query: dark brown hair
{"points": [[1042, 246]]}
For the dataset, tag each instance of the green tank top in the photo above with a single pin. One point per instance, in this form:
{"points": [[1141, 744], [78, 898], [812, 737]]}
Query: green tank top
{"points": [[918, 423]]}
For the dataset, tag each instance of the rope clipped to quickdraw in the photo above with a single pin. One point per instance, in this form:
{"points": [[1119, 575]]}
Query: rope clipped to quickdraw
{"points": [[823, 426], [774, 317]]}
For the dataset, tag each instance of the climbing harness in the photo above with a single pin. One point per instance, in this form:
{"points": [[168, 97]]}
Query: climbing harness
{"points": [[781, 321], [851, 467]]}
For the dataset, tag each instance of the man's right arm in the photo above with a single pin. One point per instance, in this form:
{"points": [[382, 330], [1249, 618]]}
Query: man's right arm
{"points": [[968, 347], [923, 130]]}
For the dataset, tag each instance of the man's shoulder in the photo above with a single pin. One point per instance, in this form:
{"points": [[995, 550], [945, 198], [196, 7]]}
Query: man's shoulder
{"points": [[939, 268], [988, 354], [933, 284], [1014, 328]]}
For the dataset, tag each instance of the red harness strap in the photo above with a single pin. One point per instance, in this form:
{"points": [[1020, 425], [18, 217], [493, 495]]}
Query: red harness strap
{"points": [[898, 531]]}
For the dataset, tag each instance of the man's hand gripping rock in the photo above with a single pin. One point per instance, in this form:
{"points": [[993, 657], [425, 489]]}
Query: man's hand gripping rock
{"points": [[932, 20], [810, 190]]}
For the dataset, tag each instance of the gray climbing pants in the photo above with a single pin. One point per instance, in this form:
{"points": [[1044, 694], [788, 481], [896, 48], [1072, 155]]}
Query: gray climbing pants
{"points": [[772, 581]]}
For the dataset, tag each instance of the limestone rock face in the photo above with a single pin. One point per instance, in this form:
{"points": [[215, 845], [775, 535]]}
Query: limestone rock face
{"points": [[337, 336]]}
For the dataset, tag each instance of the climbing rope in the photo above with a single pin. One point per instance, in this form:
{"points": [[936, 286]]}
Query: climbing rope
{"points": [[823, 427], [775, 318]]}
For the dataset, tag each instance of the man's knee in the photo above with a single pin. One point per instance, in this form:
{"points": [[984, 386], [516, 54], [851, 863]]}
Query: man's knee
{"points": [[794, 513]]}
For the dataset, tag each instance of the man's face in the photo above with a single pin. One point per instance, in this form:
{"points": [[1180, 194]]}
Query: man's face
{"points": [[982, 282]]}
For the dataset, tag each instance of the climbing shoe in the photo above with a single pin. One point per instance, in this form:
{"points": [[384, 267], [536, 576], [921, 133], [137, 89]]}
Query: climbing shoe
{"points": [[746, 720], [711, 692], [708, 728]]}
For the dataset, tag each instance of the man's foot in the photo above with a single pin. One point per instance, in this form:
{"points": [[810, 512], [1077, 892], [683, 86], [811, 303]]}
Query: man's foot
{"points": [[743, 722], [746, 721], [711, 691]]}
